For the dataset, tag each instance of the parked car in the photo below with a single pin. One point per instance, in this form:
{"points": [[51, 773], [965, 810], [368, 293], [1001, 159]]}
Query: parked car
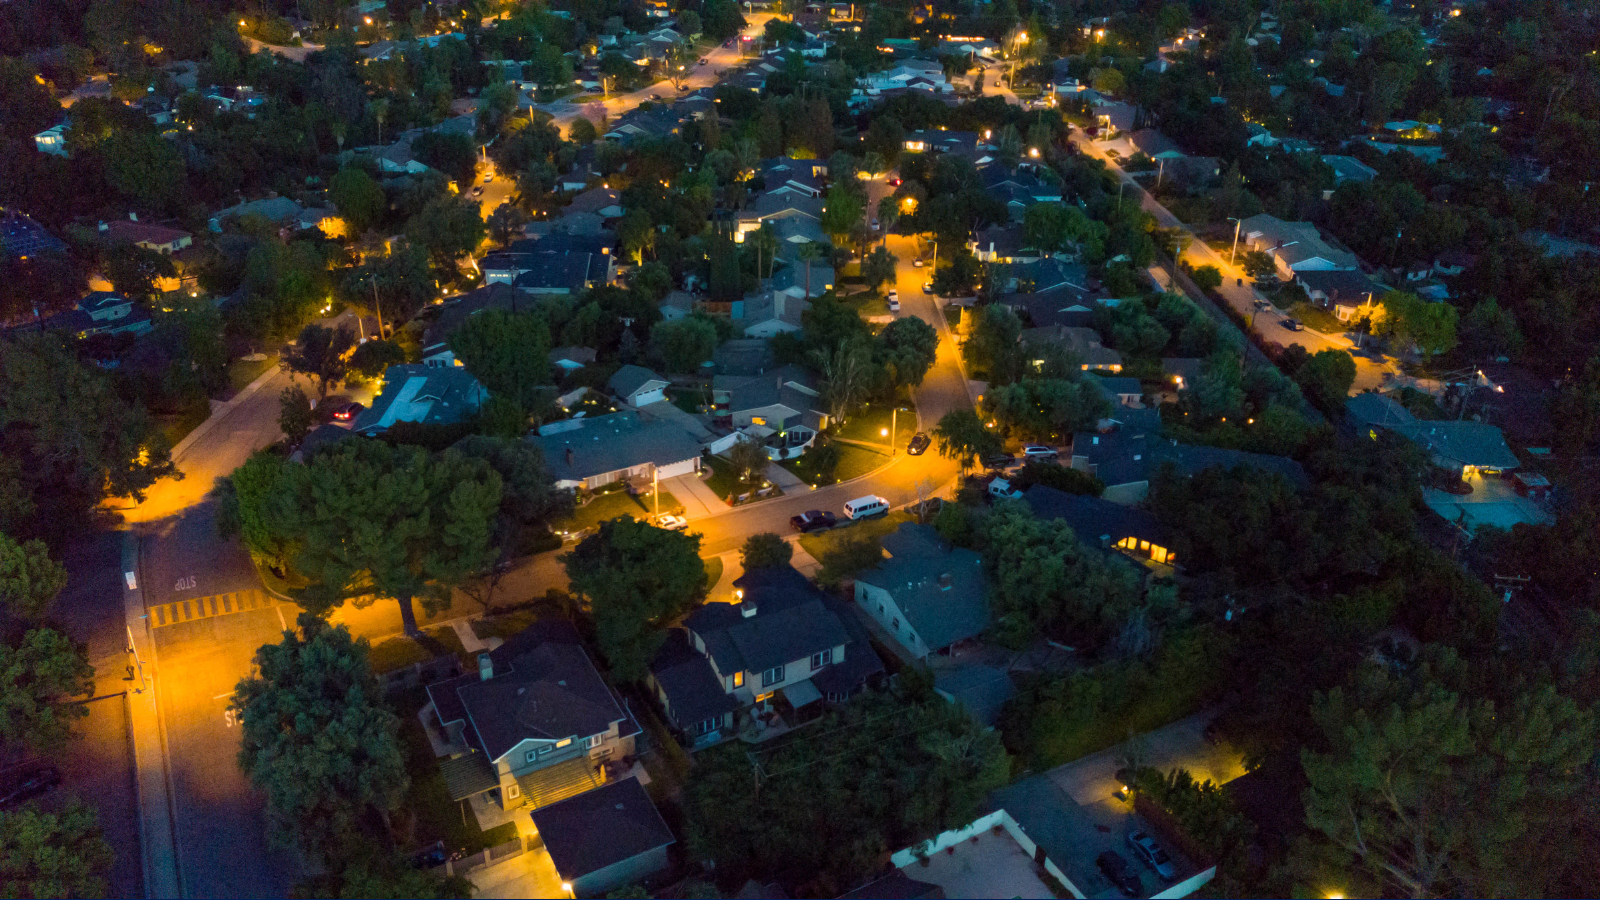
{"points": [[701, 62], [1293, 325], [1040, 453], [348, 412], [999, 461], [1145, 847], [919, 444], [812, 520], [430, 857], [671, 522], [489, 178], [917, 264], [927, 287], [1263, 305], [477, 192], [27, 783], [874, 224], [894, 182], [1119, 873], [1003, 489]]}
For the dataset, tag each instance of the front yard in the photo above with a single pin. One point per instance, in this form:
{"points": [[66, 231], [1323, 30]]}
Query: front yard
{"points": [[834, 462], [399, 652], [822, 543], [869, 424], [607, 506], [1318, 319]]}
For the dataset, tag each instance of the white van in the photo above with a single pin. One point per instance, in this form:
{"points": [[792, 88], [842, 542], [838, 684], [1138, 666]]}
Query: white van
{"points": [[1001, 489], [866, 507]]}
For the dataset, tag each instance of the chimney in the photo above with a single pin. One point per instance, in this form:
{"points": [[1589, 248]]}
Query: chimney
{"points": [[777, 303], [1105, 540], [570, 456], [104, 227], [133, 216], [945, 581], [485, 667], [747, 609]]}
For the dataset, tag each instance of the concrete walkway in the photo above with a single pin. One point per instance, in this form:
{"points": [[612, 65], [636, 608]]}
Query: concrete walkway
{"points": [[785, 479], [698, 500], [162, 874], [533, 874]]}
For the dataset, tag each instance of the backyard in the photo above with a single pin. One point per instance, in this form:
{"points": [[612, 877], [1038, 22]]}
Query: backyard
{"points": [[434, 816]]}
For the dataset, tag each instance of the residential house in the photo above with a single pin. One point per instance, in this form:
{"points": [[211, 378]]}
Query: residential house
{"points": [[456, 310], [398, 158], [601, 201], [966, 143], [781, 408], [655, 122], [600, 243], [99, 312], [1124, 459], [783, 650], [1348, 292], [429, 395], [1082, 343], [1348, 168], [1108, 526], [1259, 136], [1064, 305], [593, 452], [22, 237], [52, 140], [1182, 373], [797, 218], [1453, 262], [159, 238], [1114, 118], [1018, 190], [571, 359], [548, 272], [1155, 145], [914, 74], [280, 211], [802, 281], [928, 595], [1464, 448], [797, 177], [637, 386], [980, 690], [769, 314], [973, 47], [604, 839], [1294, 246], [1003, 244], [1120, 392], [534, 725]]}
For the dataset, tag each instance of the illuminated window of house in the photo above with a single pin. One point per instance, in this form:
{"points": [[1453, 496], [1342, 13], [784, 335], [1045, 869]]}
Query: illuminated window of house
{"points": [[758, 420], [1159, 554], [565, 743], [1144, 546], [738, 679]]}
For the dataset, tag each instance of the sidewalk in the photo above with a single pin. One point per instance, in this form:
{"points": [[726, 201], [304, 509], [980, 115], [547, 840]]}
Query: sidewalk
{"points": [[162, 874]]}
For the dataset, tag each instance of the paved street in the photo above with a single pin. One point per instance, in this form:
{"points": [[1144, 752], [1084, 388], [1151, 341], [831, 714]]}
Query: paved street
{"points": [[1371, 370]]}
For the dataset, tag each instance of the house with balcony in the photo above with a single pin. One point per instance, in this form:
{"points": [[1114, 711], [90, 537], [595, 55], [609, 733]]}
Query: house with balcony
{"points": [[929, 596], [534, 725], [757, 668]]}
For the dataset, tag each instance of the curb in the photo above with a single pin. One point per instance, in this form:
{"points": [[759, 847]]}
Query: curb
{"points": [[221, 413]]}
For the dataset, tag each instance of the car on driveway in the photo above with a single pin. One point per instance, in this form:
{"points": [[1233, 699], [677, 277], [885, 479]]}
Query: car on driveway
{"points": [[812, 520], [348, 412], [999, 462], [27, 783], [1040, 453], [1145, 847], [927, 287], [919, 444], [477, 192], [917, 263], [671, 522], [1292, 325], [1119, 873], [894, 300]]}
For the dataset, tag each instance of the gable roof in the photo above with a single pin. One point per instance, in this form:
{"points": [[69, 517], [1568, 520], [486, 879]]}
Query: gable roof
{"points": [[456, 310], [630, 380], [142, 232], [610, 443], [569, 270], [1096, 522], [694, 692], [544, 687], [1154, 144], [434, 395], [600, 828], [915, 576], [1131, 455], [791, 621]]}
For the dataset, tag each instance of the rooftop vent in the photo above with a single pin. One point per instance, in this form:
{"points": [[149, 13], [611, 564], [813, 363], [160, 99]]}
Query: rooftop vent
{"points": [[747, 609], [485, 667]]}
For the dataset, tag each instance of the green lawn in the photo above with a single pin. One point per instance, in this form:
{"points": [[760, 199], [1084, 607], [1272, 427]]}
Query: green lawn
{"points": [[616, 503], [437, 817], [854, 461], [722, 481], [1318, 319], [687, 399], [819, 543], [241, 372], [713, 571], [177, 426], [399, 652], [505, 625], [868, 425]]}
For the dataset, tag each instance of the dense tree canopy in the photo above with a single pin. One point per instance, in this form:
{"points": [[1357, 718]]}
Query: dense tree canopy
{"points": [[635, 578]]}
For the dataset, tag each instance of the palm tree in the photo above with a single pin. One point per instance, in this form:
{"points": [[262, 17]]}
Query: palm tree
{"points": [[806, 253], [380, 112]]}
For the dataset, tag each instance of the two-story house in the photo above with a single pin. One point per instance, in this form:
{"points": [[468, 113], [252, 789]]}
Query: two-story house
{"points": [[928, 595], [534, 725], [783, 650]]}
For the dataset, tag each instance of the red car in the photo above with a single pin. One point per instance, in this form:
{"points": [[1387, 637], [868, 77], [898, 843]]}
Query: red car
{"points": [[348, 411], [894, 182]]}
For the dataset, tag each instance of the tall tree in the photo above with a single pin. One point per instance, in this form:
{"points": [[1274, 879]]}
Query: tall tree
{"points": [[765, 551], [321, 353], [961, 436], [318, 738], [358, 198], [295, 415], [878, 267], [29, 578], [684, 344], [39, 674], [506, 223], [75, 441], [449, 228], [53, 854], [508, 352], [908, 347], [844, 371], [636, 579]]}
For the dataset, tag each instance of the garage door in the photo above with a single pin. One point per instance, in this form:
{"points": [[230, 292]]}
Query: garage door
{"points": [[687, 467], [649, 397]]}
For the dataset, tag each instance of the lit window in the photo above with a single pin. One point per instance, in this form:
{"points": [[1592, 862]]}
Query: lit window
{"points": [[738, 679], [565, 743]]}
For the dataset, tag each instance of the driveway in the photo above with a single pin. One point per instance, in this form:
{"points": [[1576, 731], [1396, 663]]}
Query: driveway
{"points": [[533, 874], [1181, 744]]}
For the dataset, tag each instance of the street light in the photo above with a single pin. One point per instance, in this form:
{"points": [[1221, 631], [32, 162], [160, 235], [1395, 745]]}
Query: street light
{"points": [[1232, 254]]}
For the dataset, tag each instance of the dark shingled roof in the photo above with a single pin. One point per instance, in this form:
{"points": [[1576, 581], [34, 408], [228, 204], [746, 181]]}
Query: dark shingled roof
{"points": [[1096, 522], [1129, 455], [791, 622], [941, 615], [544, 688], [601, 828], [694, 693]]}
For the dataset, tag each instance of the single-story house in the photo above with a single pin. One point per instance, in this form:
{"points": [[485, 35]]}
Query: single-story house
{"points": [[604, 839], [548, 272], [768, 315], [99, 312], [1155, 145], [594, 452], [638, 386], [1466, 448], [534, 725], [1083, 343], [1124, 459], [456, 310], [1003, 244], [1348, 168], [601, 201], [1103, 524], [431, 395], [163, 240], [1114, 118], [927, 595], [1124, 392], [1348, 292], [728, 661], [781, 407], [1294, 246]]}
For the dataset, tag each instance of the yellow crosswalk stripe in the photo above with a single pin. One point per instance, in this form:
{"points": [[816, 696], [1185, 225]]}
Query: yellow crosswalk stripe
{"points": [[207, 607]]}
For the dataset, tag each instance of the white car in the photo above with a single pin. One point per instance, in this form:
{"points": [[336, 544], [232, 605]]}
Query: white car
{"points": [[1041, 453], [671, 522], [916, 263]]}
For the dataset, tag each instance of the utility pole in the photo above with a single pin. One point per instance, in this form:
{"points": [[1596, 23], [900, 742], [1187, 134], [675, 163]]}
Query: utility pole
{"points": [[377, 307], [1233, 255], [655, 489]]}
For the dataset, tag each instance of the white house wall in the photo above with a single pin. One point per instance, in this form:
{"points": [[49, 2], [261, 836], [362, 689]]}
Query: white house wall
{"points": [[869, 597]]}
